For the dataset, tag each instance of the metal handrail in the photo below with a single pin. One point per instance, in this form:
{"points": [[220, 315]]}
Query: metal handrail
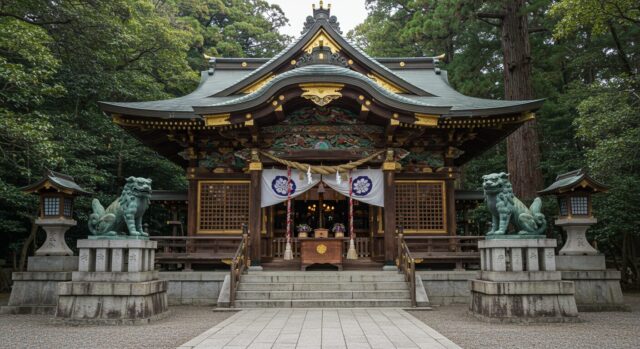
{"points": [[407, 266], [239, 264]]}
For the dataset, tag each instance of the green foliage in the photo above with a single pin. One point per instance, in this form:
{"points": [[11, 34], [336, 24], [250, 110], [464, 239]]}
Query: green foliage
{"points": [[585, 56], [596, 16], [58, 58]]}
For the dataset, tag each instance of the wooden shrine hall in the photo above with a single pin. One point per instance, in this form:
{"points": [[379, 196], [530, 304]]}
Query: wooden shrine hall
{"points": [[320, 140]]}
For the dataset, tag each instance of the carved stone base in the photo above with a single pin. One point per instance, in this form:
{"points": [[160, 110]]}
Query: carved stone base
{"points": [[519, 283], [523, 301], [112, 302], [116, 284]]}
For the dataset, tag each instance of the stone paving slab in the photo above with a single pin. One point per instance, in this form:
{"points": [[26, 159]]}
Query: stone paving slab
{"points": [[358, 328]]}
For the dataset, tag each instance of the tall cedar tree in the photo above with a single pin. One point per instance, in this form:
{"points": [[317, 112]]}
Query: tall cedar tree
{"points": [[523, 152]]}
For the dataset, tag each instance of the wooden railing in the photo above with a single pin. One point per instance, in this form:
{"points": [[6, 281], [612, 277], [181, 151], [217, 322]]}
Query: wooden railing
{"points": [[190, 250], [362, 247], [279, 244], [407, 266], [239, 264], [458, 250]]}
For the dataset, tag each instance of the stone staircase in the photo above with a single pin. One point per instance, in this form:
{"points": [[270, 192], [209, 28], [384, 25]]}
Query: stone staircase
{"points": [[322, 289]]}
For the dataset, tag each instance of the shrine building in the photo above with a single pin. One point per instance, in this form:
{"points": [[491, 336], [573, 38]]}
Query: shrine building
{"points": [[321, 139]]}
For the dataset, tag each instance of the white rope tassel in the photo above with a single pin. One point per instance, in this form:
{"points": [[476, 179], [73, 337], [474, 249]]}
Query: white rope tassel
{"points": [[352, 254], [309, 175], [288, 254], [338, 178]]}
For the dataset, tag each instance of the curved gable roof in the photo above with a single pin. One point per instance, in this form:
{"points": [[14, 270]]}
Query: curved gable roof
{"points": [[321, 73], [293, 51]]}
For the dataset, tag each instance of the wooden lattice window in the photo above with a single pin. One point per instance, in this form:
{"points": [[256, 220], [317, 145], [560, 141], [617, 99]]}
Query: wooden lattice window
{"points": [[421, 206], [222, 206]]}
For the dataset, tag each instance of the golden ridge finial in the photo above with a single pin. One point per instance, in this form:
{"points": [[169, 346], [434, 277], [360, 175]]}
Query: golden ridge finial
{"points": [[321, 4]]}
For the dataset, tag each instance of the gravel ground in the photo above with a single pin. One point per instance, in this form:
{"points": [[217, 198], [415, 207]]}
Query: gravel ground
{"points": [[599, 330], [37, 331]]}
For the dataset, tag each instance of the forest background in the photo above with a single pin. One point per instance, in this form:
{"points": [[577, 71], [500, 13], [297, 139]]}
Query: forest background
{"points": [[58, 58]]}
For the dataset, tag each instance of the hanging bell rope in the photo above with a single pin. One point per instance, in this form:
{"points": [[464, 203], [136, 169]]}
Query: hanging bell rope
{"points": [[323, 169]]}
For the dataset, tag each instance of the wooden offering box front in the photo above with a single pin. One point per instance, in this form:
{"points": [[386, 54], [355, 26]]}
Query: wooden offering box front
{"points": [[321, 233], [320, 251]]}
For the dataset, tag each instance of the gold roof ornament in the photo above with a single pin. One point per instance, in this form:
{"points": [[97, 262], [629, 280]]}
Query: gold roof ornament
{"points": [[426, 120], [321, 5], [217, 120], [385, 84], [322, 39], [258, 84], [321, 93]]}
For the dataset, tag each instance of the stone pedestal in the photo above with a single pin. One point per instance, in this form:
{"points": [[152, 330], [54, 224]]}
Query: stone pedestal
{"points": [[518, 282], [115, 284], [36, 290], [597, 289], [576, 244], [55, 244]]}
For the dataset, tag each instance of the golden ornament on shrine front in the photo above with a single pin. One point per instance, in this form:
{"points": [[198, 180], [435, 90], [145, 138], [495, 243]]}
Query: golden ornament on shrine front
{"points": [[321, 93], [321, 249]]}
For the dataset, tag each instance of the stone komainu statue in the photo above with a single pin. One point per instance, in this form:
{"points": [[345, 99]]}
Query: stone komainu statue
{"points": [[123, 216], [506, 209]]}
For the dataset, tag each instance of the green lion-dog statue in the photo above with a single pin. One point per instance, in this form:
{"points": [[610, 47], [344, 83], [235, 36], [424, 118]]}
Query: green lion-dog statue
{"points": [[506, 209], [124, 214]]}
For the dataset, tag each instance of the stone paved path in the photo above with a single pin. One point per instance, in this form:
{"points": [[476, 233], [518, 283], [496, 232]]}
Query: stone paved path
{"points": [[383, 328]]}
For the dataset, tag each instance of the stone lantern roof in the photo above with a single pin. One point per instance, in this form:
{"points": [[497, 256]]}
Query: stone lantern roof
{"points": [[574, 180], [57, 181]]}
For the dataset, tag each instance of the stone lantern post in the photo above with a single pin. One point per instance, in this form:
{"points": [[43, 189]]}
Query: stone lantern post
{"points": [[35, 291], [596, 287]]}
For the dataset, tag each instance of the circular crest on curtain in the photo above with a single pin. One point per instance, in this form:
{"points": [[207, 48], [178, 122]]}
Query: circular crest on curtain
{"points": [[279, 186], [361, 186]]}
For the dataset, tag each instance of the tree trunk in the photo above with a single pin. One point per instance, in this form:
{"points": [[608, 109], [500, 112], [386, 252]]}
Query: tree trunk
{"points": [[523, 153], [27, 242]]}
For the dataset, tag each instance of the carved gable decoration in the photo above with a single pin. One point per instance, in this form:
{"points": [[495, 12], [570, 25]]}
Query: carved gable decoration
{"points": [[320, 116], [322, 128]]}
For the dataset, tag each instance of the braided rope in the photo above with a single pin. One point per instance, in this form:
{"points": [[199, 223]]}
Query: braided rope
{"points": [[322, 169]]}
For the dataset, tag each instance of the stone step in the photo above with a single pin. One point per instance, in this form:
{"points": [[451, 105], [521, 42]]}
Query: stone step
{"points": [[323, 278], [324, 303], [326, 295], [340, 286]]}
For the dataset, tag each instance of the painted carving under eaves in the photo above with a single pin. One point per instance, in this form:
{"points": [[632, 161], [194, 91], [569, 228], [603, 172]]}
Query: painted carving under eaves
{"points": [[320, 116]]}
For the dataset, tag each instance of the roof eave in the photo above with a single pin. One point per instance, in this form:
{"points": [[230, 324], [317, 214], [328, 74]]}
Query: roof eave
{"points": [[263, 95]]}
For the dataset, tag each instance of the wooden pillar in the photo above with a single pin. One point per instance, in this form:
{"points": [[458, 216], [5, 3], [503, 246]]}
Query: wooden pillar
{"points": [[255, 212], [390, 252], [192, 211], [451, 206], [450, 191], [192, 202]]}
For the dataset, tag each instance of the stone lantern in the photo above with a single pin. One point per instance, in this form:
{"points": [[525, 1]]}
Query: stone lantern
{"points": [[596, 288], [573, 190], [35, 291], [57, 192]]}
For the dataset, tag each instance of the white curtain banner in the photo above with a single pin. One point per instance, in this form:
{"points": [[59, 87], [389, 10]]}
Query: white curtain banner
{"points": [[274, 185], [367, 186]]}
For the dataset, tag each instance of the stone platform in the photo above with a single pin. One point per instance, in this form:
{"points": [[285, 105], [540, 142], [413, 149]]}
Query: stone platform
{"points": [[35, 291], [116, 284], [597, 289], [519, 283]]}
